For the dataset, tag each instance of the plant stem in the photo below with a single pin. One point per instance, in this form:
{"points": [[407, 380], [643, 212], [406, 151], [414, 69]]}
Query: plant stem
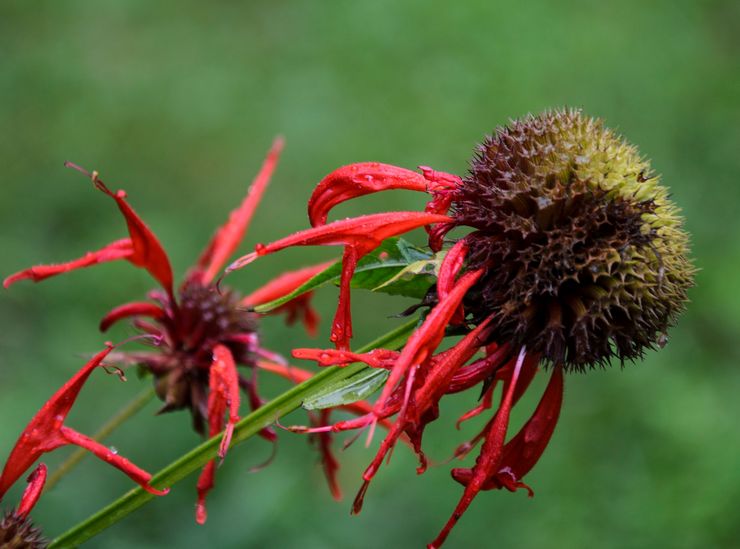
{"points": [[199, 456], [131, 408]]}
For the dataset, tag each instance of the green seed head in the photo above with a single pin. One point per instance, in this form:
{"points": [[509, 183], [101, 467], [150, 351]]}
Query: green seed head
{"points": [[584, 252]]}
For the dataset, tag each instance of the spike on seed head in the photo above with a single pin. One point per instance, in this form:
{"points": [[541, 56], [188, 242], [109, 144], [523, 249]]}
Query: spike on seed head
{"points": [[584, 253], [18, 532]]}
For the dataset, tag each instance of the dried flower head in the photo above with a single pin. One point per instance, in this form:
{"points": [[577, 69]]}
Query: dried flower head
{"points": [[583, 251]]}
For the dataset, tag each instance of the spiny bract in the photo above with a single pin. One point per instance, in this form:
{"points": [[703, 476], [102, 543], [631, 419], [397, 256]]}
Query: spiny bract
{"points": [[584, 253]]}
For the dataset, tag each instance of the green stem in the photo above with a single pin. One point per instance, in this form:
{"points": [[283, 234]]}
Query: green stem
{"points": [[199, 456], [131, 408]]}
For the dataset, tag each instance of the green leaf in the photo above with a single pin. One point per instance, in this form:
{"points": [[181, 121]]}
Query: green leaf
{"points": [[378, 271], [347, 391]]}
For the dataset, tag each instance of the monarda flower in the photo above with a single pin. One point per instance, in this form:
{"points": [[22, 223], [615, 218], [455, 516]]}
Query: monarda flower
{"points": [[574, 255], [16, 529], [203, 334]]}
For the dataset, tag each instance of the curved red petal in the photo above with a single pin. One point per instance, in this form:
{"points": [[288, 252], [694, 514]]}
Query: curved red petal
{"points": [[104, 453], [223, 395], [427, 338], [365, 232], [139, 308], [356, 180], [229, 236], [120, 249], [523, 451], [489, 460], [32, 493]]}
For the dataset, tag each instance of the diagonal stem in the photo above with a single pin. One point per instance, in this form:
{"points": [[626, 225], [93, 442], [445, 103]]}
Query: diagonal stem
{"points": [[131, 408], [246, 428]]}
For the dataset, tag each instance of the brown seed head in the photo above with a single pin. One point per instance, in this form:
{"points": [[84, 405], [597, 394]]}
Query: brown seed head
{"points": [[584, 252]]}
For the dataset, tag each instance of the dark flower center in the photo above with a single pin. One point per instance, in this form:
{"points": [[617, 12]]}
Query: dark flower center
{"points": [[203, 318]]}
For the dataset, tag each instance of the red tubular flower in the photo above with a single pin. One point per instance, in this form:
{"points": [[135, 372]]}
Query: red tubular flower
{"points": [[16, 529], [574, 253], [46, 432], [204, 333]]}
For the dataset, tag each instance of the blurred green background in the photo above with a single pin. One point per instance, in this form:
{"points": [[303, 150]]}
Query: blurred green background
{"points": [[178, 103]]}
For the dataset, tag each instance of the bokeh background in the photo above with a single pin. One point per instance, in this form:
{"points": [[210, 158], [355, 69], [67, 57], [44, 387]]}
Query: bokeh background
{"points": [[178, 103]]}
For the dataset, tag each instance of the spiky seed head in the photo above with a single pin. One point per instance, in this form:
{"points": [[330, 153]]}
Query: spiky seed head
{"points": [[585, 255], [17, 532]]}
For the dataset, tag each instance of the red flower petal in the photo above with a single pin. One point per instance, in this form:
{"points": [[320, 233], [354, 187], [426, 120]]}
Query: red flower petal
{"points": [[448, 270], [223, 396], [489, 460], [120, 249], [358, 180], [420, 404], [523, 451], [147, 251], [426, 339], [32, 493], [139, 308], [360, 236], [46, 432], [229, 236]]}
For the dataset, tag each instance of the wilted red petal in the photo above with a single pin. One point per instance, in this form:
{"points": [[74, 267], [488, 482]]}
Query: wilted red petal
{"points": [[356, 180], [46, 432], [445, 365], [223, 396], [360, 236], [229, 236], [448, 270], [120, 249], [523, 451], [419, 404], [489, 460], [472, 374], [147, 251], [139, 308], [32, 493], [205, 484], [427, 338]]}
